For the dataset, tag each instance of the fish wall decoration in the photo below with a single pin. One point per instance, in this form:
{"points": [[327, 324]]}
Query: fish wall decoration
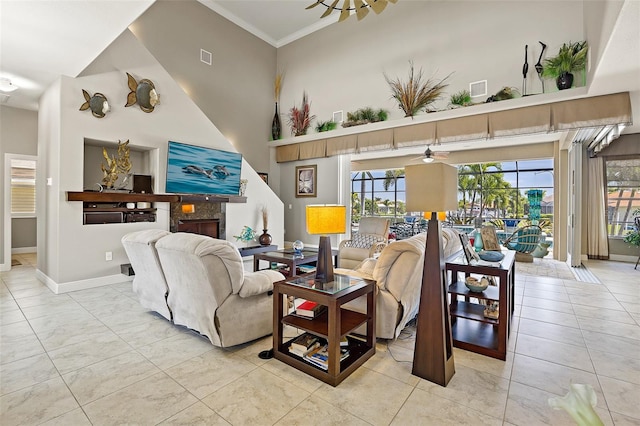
{"points": [[143, 93], [97, 103]]}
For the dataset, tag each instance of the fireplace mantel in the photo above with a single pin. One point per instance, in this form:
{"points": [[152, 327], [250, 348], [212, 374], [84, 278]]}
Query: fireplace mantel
{"points": [[123, 197]]}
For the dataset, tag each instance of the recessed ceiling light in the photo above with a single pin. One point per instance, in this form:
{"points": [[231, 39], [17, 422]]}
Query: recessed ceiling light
{"points": [[6, 86]]}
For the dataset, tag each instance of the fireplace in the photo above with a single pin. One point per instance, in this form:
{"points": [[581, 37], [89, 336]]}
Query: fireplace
{"points": [[207, 219], [208, 227]]}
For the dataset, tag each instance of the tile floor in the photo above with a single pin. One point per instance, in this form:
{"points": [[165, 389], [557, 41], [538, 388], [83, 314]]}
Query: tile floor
{"points": [[96, 357]]}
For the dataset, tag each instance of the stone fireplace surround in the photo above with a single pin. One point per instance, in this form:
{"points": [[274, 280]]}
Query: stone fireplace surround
{"points": [[216, 211]]}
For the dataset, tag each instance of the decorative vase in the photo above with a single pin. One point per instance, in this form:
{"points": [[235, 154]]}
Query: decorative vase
{"points": [[276, 128], [477, 242], [564, 81], [264, 239]]}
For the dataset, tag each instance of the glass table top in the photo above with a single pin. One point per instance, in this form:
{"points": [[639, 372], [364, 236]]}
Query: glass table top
{"points": [[340, 282], [290, 254]]}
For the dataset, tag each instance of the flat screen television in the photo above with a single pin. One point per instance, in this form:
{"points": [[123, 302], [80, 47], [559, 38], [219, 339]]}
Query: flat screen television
{"points": [[198, 170]]}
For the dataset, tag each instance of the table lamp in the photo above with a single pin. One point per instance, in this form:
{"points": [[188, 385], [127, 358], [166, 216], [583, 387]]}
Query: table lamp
{"points": [[323, 220], [433, 187]]}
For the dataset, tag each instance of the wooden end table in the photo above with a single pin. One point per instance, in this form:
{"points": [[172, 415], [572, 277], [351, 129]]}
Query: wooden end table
{"points": [[470, 329], [331, 325]]}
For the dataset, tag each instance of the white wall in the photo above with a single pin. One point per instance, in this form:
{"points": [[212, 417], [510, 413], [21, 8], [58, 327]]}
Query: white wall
{"points": [[236, 91], [76, 252], [341, 67], [18, 135], [330, 178]]}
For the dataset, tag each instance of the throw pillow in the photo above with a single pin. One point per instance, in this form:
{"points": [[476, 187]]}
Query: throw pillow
{"points": [[366, 267], [363, 240]]}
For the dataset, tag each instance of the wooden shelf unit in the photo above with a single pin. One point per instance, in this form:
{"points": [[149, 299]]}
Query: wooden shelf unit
{"points": [[470, 329], [332, 325]]}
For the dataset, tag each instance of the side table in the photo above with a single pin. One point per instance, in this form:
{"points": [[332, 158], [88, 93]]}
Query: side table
{"points": [[470, 329], [331, 325]]}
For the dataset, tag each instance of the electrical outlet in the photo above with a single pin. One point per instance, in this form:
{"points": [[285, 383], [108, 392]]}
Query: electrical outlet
{"points": [[108, 256]]}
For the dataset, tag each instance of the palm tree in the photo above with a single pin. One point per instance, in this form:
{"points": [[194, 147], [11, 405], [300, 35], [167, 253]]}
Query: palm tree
{"points": [[390, 178]]}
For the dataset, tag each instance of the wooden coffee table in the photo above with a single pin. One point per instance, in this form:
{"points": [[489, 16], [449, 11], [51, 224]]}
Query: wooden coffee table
{"points": [[290, 258]]}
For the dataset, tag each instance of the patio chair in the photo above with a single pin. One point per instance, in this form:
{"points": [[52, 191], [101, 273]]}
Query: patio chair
{"points": [[372, 237], [524, 241]]}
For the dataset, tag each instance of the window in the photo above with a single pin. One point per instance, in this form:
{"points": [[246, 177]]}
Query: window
{"points": [[623, 195], [23, 188], [382, 192], [499, 190], [495, 191]]}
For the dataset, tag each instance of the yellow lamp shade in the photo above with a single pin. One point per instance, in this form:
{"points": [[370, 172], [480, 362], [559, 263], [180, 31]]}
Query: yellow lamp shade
{"points": [[442, 216], [326, 219]]}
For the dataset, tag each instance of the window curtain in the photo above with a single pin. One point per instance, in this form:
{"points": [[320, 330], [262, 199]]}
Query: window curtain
{"points": [[597, 235]]}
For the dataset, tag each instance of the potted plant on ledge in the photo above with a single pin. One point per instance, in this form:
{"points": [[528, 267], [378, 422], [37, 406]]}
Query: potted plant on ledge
{"points": [[571, 57]]}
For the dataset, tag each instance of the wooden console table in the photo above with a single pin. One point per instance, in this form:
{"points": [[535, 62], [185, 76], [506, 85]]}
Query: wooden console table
{"points": [[470, 329]]}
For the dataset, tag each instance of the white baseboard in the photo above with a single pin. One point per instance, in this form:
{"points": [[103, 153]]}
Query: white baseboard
{"points": [[4, 267], [59, 288], [623, 258], [20, 250]]}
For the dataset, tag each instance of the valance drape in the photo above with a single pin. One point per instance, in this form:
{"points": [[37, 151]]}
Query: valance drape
{"points": [[462, 129], [313, 149], [375, 141], [591, 112], [286, 153], [342, 145], [416, 134], [520, 121]]}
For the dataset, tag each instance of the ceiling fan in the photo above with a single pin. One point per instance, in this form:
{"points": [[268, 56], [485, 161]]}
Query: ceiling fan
{"points": [[430, 156]]}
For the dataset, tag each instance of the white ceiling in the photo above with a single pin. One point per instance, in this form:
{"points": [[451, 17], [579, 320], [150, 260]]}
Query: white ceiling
{"points": [[43, 39]]}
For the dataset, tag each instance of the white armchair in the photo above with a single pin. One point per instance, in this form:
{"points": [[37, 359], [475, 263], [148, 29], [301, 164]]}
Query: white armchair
{"points": [[210, 292], [372, 237], [398, 276], [149, 282]]}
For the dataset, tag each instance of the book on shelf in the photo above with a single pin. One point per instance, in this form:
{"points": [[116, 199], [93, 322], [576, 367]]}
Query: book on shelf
{"points": [[301, 353], [304, 341], [320, 356], [344, 343], [304, 269], [309, 309]]}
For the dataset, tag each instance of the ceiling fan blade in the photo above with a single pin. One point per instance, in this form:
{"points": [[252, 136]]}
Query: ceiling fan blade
{"points": [[393, 1], [329, 9], [439, 154], [311, 6], [361, 9], [345, 11], [378, 5]]}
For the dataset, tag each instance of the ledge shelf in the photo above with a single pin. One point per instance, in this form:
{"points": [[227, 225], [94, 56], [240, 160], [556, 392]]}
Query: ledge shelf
{"points": [[124, 197]]}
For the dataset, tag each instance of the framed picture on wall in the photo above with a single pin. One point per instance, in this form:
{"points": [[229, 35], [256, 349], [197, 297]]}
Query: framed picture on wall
{"points": [[306, 181], [264, 177]]}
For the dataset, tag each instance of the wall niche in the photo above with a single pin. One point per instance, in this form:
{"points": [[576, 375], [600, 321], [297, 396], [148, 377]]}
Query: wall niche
{"points": [[140, 158]]}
